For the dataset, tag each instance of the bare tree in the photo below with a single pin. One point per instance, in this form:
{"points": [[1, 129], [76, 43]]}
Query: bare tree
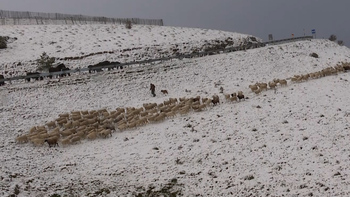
{"points": [[128, 24], [341, 43], [332, 37], [3, 42]]}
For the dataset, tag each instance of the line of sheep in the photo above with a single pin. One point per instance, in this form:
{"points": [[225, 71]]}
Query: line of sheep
{"points": [[258, 87]]}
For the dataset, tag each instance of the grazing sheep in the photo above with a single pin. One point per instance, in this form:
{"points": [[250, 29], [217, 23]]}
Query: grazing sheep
{"points": [[262, 86], [66, 115], [92, 136], [253, 87], [66, 140], [240, 95], [105, 133], [68, 125], [33, 130], [22, 139], [122, 127], [272, 85], [76, 117], [164, 91], [67, 132], [51, 124], [38, 141], [41, 128], [52, 141], [233, 97], [173, 100], [283, 82], [75, 139], [258, 91]]}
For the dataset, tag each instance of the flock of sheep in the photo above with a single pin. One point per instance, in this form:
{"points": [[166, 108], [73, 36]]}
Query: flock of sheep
{"points": [[71, 128], [257, 88]]}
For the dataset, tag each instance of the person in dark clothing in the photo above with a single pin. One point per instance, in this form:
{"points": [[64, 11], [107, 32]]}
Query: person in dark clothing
{"points": [[153, 89]]}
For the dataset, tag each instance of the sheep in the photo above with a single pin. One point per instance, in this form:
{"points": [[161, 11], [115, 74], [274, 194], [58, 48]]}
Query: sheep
{"points": [[197, 98], [262, 86], [142, 121], [66, 115], [233, 97], [164, 91], [75, 124], [173, 100], [80, 134], [66, 140], [122, 127], [60, 122], [38, 141], [76, 117], [75, 139], [41, 128], [240, 95], [67, 132], [283, 82], [253, 87], [272, 85], [105, 133], [68, 125], [204, 100], [33, 130], [227, 97], [85, 112], [167, 103], [22, 139], [52, 141], [92, 136], [258, 91], [51, 124]]}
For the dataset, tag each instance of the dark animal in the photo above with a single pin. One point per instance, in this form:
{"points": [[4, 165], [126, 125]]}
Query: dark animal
{"points": [[153, 89], [164, 91], [215, 100], [52, 141], [240, 95], [2, 82], [58, 68], [98, 67], [33, 73]]}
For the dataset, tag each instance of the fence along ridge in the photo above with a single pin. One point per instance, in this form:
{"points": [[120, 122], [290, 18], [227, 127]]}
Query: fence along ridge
{"points": [[40, 16], [191, 55]]}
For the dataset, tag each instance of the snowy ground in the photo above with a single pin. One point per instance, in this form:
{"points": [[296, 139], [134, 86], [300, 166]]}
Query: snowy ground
{"points": [[78, 46], [286, 142]]}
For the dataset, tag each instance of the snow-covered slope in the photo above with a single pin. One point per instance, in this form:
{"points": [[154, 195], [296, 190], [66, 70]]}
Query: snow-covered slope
{"points": [[286, 142], [83, 45]]}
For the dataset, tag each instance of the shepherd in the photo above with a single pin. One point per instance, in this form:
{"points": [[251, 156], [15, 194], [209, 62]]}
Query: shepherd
{"points": [[153, 89]]}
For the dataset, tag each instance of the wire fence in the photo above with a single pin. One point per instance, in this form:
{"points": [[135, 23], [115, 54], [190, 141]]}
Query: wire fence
{"points": [[40, 18], [190, 55]]}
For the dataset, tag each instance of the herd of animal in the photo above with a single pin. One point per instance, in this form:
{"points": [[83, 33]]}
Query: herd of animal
{"points": [[62, 67], [71, 128], [258, 87]]}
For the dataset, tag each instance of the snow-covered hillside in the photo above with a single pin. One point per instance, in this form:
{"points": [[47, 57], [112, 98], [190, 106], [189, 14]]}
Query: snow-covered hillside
{"points": [[286, 142], [83, 45]]}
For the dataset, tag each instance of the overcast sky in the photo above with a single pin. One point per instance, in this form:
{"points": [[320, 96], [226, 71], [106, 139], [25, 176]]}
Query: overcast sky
{"points": [[282, 18]]}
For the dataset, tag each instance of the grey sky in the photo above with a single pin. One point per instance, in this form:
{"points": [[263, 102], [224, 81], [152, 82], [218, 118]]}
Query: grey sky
{"points": [[257, 17]]}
